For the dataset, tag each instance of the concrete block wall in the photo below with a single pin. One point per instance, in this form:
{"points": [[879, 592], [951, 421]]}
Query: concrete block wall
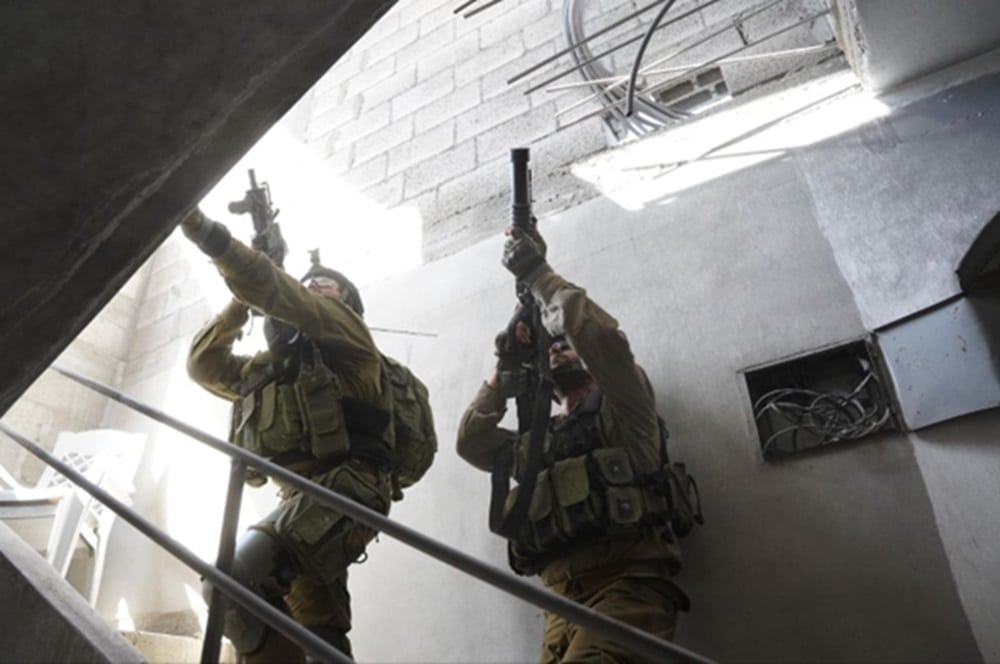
{"points": [[54, 403], [420, 114]]}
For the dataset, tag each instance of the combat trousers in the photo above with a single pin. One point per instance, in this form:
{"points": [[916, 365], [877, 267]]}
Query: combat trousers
{"points": [[321, 542], [649, 603]]}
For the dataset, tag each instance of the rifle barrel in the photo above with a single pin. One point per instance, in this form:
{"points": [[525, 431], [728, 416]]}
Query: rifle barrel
{"points": [[520, 191]]}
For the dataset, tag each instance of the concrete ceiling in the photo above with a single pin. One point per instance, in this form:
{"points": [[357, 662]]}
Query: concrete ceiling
{"points": [[117, 117]]}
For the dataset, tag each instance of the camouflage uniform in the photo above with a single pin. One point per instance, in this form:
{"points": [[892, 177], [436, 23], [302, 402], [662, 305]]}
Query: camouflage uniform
{"points": [[319, 541], [626, 577]]}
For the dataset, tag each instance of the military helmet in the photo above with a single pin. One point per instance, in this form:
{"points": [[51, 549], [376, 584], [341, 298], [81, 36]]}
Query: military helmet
{"points": [[348, 291]]}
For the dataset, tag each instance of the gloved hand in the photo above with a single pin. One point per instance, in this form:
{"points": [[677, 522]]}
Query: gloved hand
{"points": [[513, 384], [524, 256], [209, 236]]}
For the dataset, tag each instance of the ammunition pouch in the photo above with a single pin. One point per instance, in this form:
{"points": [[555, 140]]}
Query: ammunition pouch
{"points": [[582, 499], [294, 410], [268, 421], [319, 391]]}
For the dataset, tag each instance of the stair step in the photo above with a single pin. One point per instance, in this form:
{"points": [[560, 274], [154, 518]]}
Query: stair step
{"points": [[173, 649]]}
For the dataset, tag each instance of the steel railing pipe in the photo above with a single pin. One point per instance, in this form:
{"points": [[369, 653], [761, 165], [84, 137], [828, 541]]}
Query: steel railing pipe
{"points": [[212, 642], [640, 642], [235, 590]]}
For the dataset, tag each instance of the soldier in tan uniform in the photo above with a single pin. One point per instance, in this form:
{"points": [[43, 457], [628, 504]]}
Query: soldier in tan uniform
{"points": [[313, 403], [595, 531]]}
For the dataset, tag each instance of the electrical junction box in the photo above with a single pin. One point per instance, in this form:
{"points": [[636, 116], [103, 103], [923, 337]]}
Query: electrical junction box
{"points": [[944, 362], [934, 365]]}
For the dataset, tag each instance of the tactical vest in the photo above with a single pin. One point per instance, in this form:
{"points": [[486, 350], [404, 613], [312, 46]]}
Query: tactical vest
{"points": [[292, 409], [587, 490]]}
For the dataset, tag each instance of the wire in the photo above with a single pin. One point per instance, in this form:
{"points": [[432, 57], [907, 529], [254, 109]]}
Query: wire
{"points": [[630, 94], [829, 416]]}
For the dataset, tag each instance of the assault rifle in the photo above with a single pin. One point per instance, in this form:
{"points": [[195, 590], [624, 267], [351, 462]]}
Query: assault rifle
{"points": [[527, 366], [268, 239], [517, 367], [267, 234]]}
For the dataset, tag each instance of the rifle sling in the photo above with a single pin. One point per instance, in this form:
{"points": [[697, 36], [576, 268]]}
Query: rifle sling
{"points": [[507, 524]]}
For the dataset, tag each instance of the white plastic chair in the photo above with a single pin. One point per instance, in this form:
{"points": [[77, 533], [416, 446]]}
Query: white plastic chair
{"points": [[107, 457]]}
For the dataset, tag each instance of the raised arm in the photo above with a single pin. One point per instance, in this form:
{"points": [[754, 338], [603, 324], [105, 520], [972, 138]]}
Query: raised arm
{"points": [[479, 436], [211, 362], [255, 280], [596, 337]]}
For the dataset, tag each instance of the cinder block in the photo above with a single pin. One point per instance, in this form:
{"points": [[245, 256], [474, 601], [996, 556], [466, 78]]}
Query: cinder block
{"points": [[372, 76], [469, 189], [501, 108], [434, 40], [369, 121], [369, 172], [338, 161], [422, 148], [545, 30], [412, 11], [452, 163], [402, 80], [508, 23], [327, 117], [447, 108], [392, 45], [489, 59], [724, 12], [351, 64], [457, 231], [150, 309], [521, 130], [496, 82], [382, 141], [334, 99], [388, 192], [422, 94], [437, 16], [464, 47], [558, 189]]}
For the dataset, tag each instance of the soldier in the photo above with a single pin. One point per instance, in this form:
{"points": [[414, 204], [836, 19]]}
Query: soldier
{"points": [[321, 371], [595, 530]]}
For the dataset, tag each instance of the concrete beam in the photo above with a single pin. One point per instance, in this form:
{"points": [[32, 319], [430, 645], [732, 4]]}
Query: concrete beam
{"points": [[117, 118]]}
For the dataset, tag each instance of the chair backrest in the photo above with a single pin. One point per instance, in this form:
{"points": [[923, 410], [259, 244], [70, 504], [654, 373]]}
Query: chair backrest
{"points": [[110, 459], [97, 453]]}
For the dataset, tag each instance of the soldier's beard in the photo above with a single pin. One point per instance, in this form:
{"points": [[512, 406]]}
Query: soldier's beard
{"points": [[570, 378]]}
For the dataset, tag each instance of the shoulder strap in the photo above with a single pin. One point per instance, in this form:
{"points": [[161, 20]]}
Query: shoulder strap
{"points": [[507, 525]]}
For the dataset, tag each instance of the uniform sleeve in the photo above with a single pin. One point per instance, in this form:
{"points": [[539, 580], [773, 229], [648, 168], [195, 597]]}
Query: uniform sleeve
{"points": [[595, 335], [479, 437], [331, 323], [211, 362]]}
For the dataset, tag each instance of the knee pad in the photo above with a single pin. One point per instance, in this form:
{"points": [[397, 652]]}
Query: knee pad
{"points": [[260, 565]]}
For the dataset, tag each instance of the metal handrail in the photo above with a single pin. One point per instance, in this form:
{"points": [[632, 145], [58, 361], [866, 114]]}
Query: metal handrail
{"points": [[226, 583], [637, 640]]}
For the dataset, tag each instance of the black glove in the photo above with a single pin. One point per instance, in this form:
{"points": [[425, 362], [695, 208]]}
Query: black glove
{"points": [[513, 376], [209, 236], [524, 256]]}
